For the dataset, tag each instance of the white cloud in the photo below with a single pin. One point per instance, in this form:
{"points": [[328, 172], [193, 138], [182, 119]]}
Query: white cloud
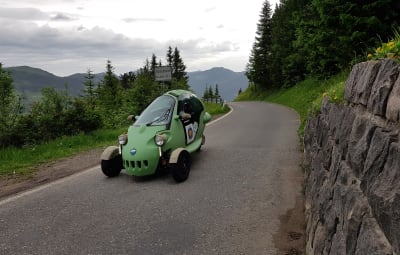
{"points": [[23, 14], [66, 36]]}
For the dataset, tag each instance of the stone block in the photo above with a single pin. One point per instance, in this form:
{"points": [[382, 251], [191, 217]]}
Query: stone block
{"points": [[359, 142], [382, 87], [376, 158], [342, 137], [359, 84], [384, 197], [371, 240], [393, 105]]}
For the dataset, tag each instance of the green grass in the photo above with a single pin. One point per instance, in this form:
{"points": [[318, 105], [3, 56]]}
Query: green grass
{"points": [[390, 49], [305, 97], [22, 161], [216, 109]]}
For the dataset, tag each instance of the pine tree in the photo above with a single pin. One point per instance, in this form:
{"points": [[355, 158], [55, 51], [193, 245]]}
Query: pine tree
{"points": [[109, 91], [258, 69], [170, 56], [216, 93], [178, 67], [206, 94], [90, 93], [153, 64], [210, 93], [286, 66], [127, 79]]}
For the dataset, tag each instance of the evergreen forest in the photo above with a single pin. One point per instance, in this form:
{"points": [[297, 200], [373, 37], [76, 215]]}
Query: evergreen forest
{"points": [[318, 38]]}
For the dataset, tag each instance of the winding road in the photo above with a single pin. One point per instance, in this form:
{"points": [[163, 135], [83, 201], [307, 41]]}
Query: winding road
{"points": [[245, 177]]}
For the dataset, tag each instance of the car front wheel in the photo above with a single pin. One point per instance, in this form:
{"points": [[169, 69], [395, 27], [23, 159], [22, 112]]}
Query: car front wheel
{"points": [[180, 170], [112, 167]]}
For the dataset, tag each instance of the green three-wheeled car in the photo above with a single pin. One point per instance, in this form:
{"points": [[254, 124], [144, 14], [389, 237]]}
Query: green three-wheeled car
{"points": [[164, 136]]}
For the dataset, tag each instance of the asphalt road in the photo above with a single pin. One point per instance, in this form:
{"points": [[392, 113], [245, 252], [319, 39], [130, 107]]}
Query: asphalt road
{"points": [[245, 177]]}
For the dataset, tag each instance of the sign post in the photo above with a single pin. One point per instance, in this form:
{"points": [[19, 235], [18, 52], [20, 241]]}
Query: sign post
{"points": [[163, 73]]}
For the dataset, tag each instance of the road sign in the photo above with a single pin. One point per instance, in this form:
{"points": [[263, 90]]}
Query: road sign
{"points": [[163, 73]]}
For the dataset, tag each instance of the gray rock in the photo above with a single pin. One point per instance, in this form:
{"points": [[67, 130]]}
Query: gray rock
{"points": [[383, 84], [360, 139], [376, 158], [393, 105], [384, 197], [371, 240], [359, 83]]}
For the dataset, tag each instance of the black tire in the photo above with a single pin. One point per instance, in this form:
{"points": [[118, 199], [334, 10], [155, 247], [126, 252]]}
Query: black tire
{"points": [[180, 170], [112, 167]]}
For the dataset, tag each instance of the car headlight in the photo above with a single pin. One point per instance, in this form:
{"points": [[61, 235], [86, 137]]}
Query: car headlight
{"points": [[160, 140], [123, 139]]}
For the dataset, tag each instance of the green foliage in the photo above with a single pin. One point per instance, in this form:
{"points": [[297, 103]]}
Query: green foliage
{"points": [[10, 107], [318, 38], [258, 69], [178, 67], [216, 109], [109, 91], [24, 160], [390, 49], [211, 95], [55, 115], [127, 80], [179, 84], [286, 65], [142, 94], [90, 92]]}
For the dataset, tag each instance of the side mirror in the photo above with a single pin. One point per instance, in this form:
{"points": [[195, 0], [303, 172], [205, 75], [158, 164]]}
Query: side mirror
{"points": [[207, 117], [132, 118]]}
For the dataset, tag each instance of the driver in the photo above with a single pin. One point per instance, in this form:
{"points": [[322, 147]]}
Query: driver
{"points": [[185, 113]]}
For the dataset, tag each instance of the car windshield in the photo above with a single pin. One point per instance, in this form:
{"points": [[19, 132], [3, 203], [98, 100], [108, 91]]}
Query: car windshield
{"points": [[158, 113]]}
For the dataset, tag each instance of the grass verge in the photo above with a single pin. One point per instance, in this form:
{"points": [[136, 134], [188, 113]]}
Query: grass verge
{"points": [[22, 161], [305, 97], [216, 109]]}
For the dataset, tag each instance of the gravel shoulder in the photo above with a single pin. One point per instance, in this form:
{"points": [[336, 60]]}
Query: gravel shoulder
{"points": [[49, 172]]}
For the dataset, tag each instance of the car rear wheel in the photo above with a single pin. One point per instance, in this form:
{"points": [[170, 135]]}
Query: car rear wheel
{"points": [[180, 170], [112, 167]]}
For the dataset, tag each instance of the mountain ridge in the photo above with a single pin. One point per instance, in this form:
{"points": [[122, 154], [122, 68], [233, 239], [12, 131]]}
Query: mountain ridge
{"points": [[30, 80]]}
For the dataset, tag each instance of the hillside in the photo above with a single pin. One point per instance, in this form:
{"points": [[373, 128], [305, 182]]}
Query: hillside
{"points": [[229, 82], [29, 81]]}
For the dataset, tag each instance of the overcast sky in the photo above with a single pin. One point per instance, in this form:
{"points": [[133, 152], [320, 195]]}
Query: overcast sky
{"points": [[70, 36]]}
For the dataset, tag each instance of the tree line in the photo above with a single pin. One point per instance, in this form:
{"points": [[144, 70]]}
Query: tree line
{"points": [[316, 37], [102, 105], [211, 95]]}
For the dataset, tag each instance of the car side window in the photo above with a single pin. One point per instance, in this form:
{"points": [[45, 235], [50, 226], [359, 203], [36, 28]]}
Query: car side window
{"points": [[197, 106]]}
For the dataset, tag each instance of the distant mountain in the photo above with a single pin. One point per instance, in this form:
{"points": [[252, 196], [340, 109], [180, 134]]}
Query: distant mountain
{"points": [[29, 81], [229, 82]]}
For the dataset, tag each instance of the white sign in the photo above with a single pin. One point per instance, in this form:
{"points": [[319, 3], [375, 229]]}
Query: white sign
{"points": [[163, 73]]}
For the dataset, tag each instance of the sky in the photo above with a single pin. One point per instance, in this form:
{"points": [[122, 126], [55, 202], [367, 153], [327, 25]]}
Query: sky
{"points": [[72, 36]]}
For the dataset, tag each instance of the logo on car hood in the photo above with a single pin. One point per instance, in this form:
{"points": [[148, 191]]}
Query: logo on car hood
{"points": [[133, 152]]}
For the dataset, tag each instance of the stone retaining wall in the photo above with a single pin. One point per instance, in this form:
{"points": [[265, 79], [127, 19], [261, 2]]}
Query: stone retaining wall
{"points": [[352, 166]]}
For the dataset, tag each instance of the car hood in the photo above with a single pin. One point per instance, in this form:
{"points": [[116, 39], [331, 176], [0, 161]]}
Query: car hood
{"points": [[143, 135]]}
